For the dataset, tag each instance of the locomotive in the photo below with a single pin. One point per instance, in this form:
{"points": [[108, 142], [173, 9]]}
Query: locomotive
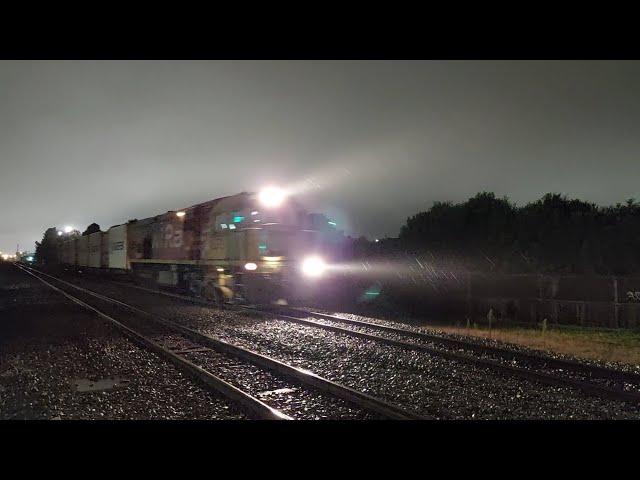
{"points": [[250, 247]]}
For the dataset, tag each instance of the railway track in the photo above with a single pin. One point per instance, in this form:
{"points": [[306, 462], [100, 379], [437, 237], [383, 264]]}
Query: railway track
{"points": [[187, 349], [617, 376], [611, 385], [595, 380]]}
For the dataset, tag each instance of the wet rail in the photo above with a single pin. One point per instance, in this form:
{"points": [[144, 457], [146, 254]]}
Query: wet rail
{"points": [[595, 371], [380, 408], [615, 392], [591, 379]]}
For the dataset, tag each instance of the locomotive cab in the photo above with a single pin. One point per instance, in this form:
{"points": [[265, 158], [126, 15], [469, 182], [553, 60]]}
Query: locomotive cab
{"points": [[271, 245]]}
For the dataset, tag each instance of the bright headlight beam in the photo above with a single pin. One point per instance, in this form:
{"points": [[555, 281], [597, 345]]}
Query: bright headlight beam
{"points": [[250, 266], [313, 266], [271, 197]]}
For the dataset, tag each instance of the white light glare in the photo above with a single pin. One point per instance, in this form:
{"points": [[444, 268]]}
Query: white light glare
{"points": [[180, 214], [250, 266], [313, 266], [68, 229], [271, 197]]}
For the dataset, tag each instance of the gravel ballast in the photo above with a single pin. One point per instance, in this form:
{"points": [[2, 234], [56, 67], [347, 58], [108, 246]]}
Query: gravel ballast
{"points": [[48, 345], [417, 381], [296, 400]]}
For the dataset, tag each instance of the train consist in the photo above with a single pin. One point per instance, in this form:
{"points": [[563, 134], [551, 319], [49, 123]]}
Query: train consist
{"points": [[257, 248]]}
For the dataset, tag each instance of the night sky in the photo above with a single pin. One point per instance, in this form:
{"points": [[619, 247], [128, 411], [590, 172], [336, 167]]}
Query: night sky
{"points": [[369, 143]]}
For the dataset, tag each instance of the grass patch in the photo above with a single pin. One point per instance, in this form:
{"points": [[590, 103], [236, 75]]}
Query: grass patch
{"points": [[610, 346]]}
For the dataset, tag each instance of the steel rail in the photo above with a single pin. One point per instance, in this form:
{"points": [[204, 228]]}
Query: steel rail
{"points": [[604, 372], [541, 377], [252, 405], [546, 378], [303, 376], [597, 370]]}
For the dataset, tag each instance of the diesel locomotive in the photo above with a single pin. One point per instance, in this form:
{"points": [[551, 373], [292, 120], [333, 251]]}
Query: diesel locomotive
{"points": [[250, 247]]}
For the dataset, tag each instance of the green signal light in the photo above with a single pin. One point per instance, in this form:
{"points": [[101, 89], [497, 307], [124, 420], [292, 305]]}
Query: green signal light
{"points": [[262, 247], [372, 292], [238, 219]]}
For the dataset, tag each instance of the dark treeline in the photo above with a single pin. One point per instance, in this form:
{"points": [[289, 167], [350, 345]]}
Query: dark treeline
{"points": [[46, 250], [553, 234]]}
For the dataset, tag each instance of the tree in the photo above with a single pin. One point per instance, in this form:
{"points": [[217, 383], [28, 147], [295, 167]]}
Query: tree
{"points": [[552, 234], [46, 251], [93, 228]]}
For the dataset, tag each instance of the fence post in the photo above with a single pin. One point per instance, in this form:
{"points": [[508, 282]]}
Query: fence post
{"points": [[615, 302], [555, 285], [469, 314]]}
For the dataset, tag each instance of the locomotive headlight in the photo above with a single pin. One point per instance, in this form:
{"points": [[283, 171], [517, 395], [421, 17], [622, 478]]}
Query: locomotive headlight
{"points": [[272, 197], [250, 266], [313, 266]]}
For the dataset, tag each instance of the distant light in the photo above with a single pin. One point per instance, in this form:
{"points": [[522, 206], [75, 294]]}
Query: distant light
{"points": [[223, 225], [256, 221], [255, 212], [313, 266], [377, 240], [238, 219], [372, 292], [333, 223], [180, 214], [29, 259], [271, 197], [59, 233], [220, 269], [232, 226], [250, 266], [68, 229], [262, 246]]}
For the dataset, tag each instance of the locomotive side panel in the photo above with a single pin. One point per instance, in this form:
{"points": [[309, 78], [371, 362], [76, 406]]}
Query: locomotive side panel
{"points": [[170, 239], [140, 239], [220, 228]]}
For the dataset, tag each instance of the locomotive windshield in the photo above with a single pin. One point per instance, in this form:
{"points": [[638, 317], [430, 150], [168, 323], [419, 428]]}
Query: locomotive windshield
{"points": [[289, 243]]}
